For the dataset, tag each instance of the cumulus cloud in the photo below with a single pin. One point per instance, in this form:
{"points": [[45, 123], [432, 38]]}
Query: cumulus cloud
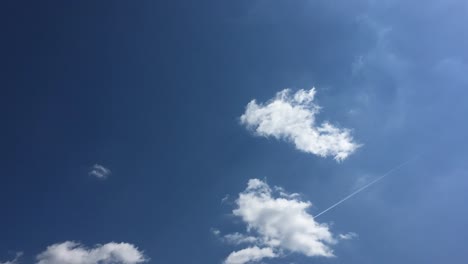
{"points": [[292, 117], [250, 254], [277, 222], [99, 171], [74, 253]]}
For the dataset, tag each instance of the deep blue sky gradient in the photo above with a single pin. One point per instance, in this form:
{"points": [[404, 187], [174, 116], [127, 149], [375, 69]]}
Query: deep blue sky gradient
{"points": [[153, 90]]}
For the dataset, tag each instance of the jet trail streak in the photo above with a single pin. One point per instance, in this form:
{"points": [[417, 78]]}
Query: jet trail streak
{"points": [[364, 187]]}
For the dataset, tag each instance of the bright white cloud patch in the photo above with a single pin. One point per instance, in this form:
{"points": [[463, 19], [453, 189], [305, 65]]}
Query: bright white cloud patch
{"points": [[277, 222], [292, 117], [74, 253], [99, 171], [249, 255]]}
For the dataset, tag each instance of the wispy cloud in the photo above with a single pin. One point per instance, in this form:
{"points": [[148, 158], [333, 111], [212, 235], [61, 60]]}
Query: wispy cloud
{"points": [[15, 260], [215, 231], [347, 236], [249, 254], [234, 238], [225, 198], [99, 171], [277, 222], [292, 117], [238, 238], [74, 253]]}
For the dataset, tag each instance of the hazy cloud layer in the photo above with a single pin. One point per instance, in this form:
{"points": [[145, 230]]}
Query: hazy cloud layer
{"points": [[277, 223], [292, 117], [74, 253]]}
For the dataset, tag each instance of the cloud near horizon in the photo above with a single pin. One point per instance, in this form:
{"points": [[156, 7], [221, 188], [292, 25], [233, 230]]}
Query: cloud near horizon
{"points": [[249, 254], [70, 252], [276, 224], [292, 118]]}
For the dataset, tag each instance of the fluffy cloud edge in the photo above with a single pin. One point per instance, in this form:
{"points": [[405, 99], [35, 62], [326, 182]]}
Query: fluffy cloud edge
{"points": [[291, 117], [249, 254], [70, 252], [277, 222]]}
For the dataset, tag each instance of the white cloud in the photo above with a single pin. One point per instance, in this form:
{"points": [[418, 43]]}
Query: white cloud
{"points": [[233, 238], [279, 222], [238, 238], [249, 254], [99, 171], [347, 236], [292, 117], [225, 198], [74, 253], [283, 193], [215, 231]]}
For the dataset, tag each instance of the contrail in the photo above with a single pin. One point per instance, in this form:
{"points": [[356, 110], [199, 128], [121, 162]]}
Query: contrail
{"points": [[364, 187]]}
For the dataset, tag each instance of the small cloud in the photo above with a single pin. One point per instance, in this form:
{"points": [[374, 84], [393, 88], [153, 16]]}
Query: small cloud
{"points": [[291, 117], [238, 238], [234, 238], [283, 193], [347, 236], [74, 253], [99, 171], [250, 254], [215, 231], [225, 198]]}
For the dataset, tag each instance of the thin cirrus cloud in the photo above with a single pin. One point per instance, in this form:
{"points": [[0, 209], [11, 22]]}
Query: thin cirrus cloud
{"points": [[238, 238], [99, 171], [292, 117], [74, 253], [347, 236], [15, 260], [277, 223]]}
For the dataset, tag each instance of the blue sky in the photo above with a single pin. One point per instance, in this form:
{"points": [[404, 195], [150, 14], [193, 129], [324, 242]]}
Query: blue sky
{"points": [[123, 138]]}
